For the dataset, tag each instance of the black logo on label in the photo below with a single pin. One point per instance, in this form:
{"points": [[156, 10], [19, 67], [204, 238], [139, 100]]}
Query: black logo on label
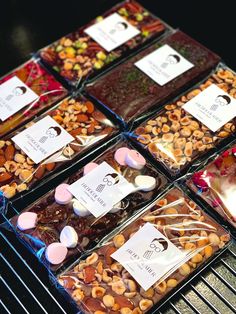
{"points": [[171, 60], [119, 27], [221, 100], [156, 248], [52, 132], [109, 180], [17, 91]]}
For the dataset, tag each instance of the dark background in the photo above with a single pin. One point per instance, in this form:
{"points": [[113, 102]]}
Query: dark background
{"points": [[26, 26]]}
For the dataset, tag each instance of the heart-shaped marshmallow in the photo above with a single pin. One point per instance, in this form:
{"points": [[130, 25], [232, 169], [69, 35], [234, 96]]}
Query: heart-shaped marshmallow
{"points": [[27, 220], [62, 195], [56, 253], [135, 160]]}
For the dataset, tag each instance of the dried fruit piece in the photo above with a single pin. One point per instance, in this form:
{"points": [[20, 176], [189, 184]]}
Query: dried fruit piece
{"points": [[89, 274]]}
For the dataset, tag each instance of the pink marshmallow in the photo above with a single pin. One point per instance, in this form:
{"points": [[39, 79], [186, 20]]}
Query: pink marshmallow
{"points": [[56, 253], [120, 155], [135, 160], [89, 167], [27, 221], [62, 195]]}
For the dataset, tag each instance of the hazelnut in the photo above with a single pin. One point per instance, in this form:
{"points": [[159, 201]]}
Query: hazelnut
{"points": [[105, 276], [190, 246], [19, 158], [108, 300], [184, 270], [137, 311], [161, 287], [208, 250], [188, 151], [98, 292], [168, 137], [2, 144], [144, 138], [116, 267], [145, 304], [165, 128], [214, 239], [175, 126], [148, 128], [185, 131], [171, 212], [118, 287], [172, 283], [197, 258], [126, 310], [26, 175], [11, 166], [185, 121], [131, 285], [118, 240], [148, 293]]}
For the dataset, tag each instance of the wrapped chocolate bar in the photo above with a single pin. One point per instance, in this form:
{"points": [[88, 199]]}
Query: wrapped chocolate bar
{"points": [[193, 123], [148, 79], [47, 144], [26, 92], [148, 259], [89, 205], [215, 183], [103, 41]]}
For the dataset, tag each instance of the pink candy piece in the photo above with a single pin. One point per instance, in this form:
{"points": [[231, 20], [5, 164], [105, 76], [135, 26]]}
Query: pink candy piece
{"points": [[134, 160], [56, 253], [89, 167], [62, 195], [27, 221], [120, 155]]}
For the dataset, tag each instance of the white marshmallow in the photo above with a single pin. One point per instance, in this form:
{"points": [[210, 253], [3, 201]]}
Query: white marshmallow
{"points": [[69, 237], [145, 183], [79, 209]]}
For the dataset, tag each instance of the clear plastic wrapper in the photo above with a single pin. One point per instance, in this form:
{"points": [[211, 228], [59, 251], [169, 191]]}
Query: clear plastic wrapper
{"points": [[76, 115], [175, 138], [59, 213], [131, 94], [78, 56], [179, 239], [34, 77], [215, 183]]}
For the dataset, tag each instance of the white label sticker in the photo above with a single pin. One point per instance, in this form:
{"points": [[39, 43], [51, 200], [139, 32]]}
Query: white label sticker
{"points": [[101, 189], [213, 107], [148, 256], [42, 139], [112, 32], [14, 95], [164, 64]]}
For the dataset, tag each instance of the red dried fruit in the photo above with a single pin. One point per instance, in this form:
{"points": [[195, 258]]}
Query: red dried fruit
{"points": [[110, 250], [68, 282], [93, 305], [82, 117], [50, 166], [2, 160], [89, 274], [90, 106], [9, 152], [123, 302], [40, 172], [5, 177]]}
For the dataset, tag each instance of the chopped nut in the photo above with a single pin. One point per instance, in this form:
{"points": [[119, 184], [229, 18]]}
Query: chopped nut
{"points": [[68, 151], [78, 295]]}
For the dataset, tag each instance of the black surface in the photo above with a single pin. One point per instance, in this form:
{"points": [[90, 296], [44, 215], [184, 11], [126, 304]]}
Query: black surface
{"points": [[25, 27]]}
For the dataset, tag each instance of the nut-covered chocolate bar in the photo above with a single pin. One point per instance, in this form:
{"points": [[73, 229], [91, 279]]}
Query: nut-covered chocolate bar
{"points": [[130, 93], [176, 138], [78, 55], [100, 284], [80, 118], [216, 184], [34, 77], [67, 227]]}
